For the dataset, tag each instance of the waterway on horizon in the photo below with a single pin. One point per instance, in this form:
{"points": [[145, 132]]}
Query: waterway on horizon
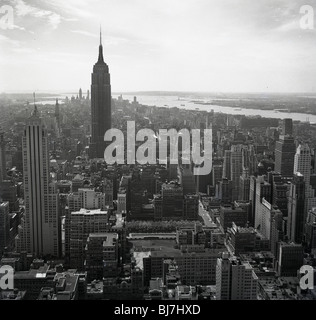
{"points": [[193, 103]]}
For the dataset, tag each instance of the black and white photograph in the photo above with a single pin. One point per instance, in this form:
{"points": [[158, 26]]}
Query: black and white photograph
{"points": [[158, 156]]}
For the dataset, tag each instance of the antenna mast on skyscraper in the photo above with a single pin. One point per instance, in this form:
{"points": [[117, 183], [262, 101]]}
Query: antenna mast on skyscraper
{"points": [[100, 35], [35, 107]]}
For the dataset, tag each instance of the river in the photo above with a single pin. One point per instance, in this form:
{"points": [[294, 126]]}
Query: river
{"points": [[186, 103]]}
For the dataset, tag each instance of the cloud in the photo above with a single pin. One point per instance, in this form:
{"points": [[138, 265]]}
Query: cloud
{"points": [[7, 40], [54, 20], [22, 10], [107, 40], [18, 27], [86, 33], [80, 8]]}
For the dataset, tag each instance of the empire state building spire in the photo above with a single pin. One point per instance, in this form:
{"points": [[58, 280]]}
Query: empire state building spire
{"points": [[100, 60]]}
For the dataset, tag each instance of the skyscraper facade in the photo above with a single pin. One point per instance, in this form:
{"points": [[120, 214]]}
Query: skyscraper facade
{"points": [[40, 231], [296, 209], [100, 105], [2, 157], [302, 162], [236, 168], [284, 156]]}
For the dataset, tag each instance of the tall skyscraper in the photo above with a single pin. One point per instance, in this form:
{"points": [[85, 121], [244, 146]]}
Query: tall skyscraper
{"points": [[186, 179], [263, 190], [290, 259], [2, 157], [296, 209], [226, 165], [236, 168], [100, 105], [302, 165], [172, 200], [287, 127], [4, 225], [57, 116], [40, 226], [217, 171], [285, 150], [244, 185], [310, 231]]}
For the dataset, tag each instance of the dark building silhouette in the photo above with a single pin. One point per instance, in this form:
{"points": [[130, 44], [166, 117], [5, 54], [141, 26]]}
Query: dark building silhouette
{"points": [[285, 150], [100, 105], [296, 211], [287, 127], [2, 157]]}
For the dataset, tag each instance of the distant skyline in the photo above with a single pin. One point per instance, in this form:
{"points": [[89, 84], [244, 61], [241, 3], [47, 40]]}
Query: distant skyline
{"points": [[159, 45]]}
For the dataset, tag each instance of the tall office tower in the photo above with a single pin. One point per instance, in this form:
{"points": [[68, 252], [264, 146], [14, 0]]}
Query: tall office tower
{"points": [[57, 110], [302, 165], [252, 159], [277, 233], [287, 127], [302, 162], [78, 227], [252, 199], [244, 185], [290, 259], [172, 200], [296, 209], [191, 207], [57, 115], [2, 157], [266, 214], [236, 168], [186, 179], [4, 225], [235, 280], [223, 277], [280, 188], [263, 190], [217, 171], [225, 191], [310, 231], [285, 150], [226, 165], [100, 105], [40, 226]]}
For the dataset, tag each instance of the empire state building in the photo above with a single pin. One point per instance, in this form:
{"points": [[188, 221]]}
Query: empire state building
{"points": [[100, 105]]}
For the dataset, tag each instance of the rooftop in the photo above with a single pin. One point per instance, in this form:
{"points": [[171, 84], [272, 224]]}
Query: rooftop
{"points": [[83, 211]]}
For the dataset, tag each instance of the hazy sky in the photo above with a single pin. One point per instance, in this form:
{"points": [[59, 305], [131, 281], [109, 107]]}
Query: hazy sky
{"points": [[185, 45]]}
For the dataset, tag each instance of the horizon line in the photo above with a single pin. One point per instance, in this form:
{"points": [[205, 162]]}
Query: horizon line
{"points": [[158, 91]]}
